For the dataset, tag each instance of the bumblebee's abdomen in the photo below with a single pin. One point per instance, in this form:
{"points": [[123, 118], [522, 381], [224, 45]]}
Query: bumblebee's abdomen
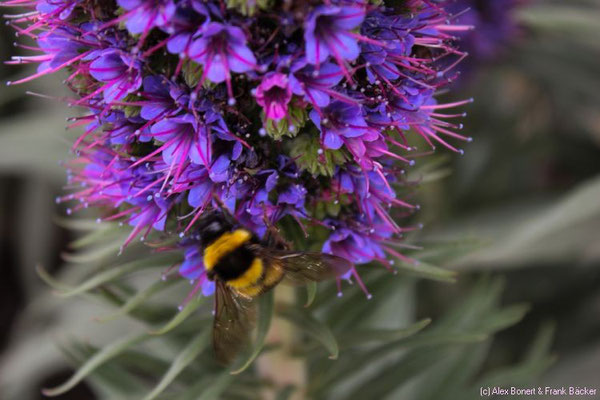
{"points": [[235, 264], [252, 285], [252, 276]]}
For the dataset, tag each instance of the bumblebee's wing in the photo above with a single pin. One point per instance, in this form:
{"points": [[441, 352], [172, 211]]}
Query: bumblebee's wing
{"points": [[234, 320], [302, 267]]}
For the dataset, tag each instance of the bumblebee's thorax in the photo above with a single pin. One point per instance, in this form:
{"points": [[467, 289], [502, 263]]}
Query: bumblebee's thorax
{"points": [[230, 258]]}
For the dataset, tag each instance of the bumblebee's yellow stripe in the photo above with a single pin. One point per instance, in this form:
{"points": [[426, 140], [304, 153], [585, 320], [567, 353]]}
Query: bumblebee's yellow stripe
{"points": [[251, 291], [225, 244], [273, 275], [250, 277]]}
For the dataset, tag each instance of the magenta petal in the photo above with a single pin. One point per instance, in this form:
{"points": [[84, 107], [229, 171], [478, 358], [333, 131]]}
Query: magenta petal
{"points": [[275, 111]]}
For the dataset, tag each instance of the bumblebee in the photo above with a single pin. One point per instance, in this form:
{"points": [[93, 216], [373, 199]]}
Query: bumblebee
{"points": [[244, 267]]}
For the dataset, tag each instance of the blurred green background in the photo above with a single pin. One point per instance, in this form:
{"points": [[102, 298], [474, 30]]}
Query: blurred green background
{"points": [[521, 209]]}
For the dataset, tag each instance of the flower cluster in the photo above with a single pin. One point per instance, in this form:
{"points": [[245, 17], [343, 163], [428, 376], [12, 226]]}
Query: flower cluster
{"points": [[298, 114], [494, 28]]}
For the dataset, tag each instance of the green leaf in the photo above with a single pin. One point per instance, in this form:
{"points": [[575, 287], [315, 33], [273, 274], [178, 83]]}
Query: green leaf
{"points": [[286, 127], [138, 299], [102, 356], [99, 232], [342, 370], [192, 72], [97, 253], [49, 279], [265, 306], [111, 379], [311, 293], [502, 319], [353, 338], [305, 150], [249, 7], [313, 327], [424, 270], [454, 371], [562, 18], [116, 272], [396, 374], [187, 355], [181, 316], [217, 387], [543, 341], [81, 224]]}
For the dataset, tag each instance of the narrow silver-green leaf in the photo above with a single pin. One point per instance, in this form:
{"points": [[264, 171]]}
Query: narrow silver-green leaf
{"points": [[116, 272], [138, 299], [311, 293], [181, 316], [265, 307], [543, 342], [112, 379], [80, 224], [187, 355], [96, 253], [424, 270], [49, 279], [99, 234], [102, 356], [381, 335], [218, 386], [503, 318], [313, 327]]}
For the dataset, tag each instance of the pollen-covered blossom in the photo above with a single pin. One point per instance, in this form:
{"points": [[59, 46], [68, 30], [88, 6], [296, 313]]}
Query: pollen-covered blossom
{"points": [[302, 115]]}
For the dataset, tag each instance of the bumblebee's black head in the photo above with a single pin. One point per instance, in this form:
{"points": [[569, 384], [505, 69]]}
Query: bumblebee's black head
{"points": [[212, 225]]}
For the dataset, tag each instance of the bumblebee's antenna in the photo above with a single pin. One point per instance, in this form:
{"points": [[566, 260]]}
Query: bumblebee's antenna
{"points": [[273, 237], [224, 209]]}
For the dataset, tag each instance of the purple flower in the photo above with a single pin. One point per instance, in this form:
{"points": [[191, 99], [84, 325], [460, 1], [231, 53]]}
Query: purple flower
{"points": [[361, 242], [222, 49], [62, 45], [144, 15], [175, 102], [494, 26], [163, 98], [122, 130], [294, 195], [192, 268], [120, 72], [148, 215], [274, 94], [184, 138], [63, 8], [327, 32], [186, 22], [340, 123], [315, 84]]}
